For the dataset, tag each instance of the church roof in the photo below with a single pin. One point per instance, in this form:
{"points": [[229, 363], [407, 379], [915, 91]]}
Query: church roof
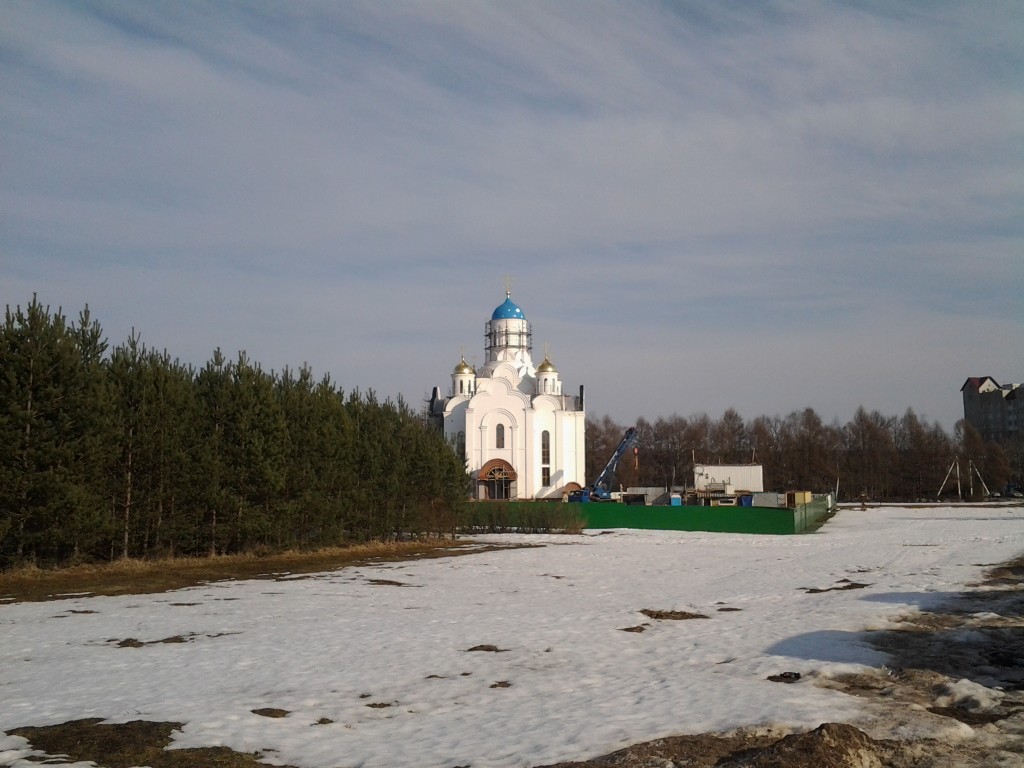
{"points": [[508, 310]]}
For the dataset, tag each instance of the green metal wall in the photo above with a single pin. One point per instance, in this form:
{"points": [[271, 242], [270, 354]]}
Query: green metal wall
{"points": [[718, 519]]}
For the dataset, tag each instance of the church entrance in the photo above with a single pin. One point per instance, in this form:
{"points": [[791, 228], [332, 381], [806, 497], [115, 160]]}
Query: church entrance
{"points": [[496, 481]]}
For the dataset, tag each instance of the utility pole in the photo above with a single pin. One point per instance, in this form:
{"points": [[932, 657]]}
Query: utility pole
{"points": [[956, 464]]}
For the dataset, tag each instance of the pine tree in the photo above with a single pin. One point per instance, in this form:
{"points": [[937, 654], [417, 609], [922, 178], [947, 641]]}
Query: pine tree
{"points": [[255, 449], [54, 435], [213, 387]]}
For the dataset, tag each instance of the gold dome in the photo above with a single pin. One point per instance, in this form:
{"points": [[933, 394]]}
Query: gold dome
{"points": [[463, 367], [547, 366]]}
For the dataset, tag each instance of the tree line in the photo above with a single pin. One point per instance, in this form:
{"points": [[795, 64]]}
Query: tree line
{"points": [[883, 458], [121, 452]]}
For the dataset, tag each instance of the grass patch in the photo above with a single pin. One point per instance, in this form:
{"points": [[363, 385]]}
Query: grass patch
{"points": [[135, 577]]}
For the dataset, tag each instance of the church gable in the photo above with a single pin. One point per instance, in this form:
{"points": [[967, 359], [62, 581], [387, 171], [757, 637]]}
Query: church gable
{"points": [[505, 372]]}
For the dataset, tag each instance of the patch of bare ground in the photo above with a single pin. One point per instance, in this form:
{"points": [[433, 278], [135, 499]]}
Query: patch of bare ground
{"points": [[271, 712], [136, 577], [638, 628], [388, 583], [844, 584], [831, 745], [652, 613], [123, 745]]}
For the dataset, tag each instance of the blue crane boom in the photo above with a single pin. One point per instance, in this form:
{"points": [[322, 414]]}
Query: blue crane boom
{"points": [[600, 489]]}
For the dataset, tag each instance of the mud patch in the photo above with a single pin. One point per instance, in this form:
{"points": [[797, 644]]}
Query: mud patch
{"points": [[487, 649], [785, 677], [651, 613], [271, 712], [830, 745], [131, 642], [844, 584], [389, 583]]}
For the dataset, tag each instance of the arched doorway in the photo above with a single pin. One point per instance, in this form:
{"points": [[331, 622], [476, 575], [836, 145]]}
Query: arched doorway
{"points": [[496, 480]]}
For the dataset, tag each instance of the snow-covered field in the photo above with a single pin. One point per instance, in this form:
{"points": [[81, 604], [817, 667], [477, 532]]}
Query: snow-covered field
{"points": [[373, 667]]}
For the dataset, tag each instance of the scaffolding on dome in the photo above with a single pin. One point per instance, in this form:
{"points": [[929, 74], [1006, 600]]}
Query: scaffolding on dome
{"points": [[503, 338]]}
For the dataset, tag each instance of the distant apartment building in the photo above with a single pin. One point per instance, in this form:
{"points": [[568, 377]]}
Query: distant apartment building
{"points": [[996, 411]]}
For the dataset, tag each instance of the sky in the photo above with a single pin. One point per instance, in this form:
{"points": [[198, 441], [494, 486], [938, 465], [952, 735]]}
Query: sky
{"points": [[373, 665], [700, 206]]}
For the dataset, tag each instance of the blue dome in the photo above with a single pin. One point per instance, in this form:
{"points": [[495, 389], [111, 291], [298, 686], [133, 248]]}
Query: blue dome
{"points": [[508, 310]]}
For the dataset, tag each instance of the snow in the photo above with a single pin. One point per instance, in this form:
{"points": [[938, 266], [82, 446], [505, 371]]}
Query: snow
{"points": [[325, 647], [966, 694]]}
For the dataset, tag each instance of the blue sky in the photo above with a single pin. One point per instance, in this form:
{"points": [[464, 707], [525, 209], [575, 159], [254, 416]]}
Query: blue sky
{"points": [[763, 206]]}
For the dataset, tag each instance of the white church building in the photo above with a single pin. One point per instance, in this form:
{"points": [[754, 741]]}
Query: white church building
{"points": [[522, 438]]}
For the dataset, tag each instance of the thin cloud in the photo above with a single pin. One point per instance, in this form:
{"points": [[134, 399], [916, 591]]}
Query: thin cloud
{"points": [[689, 185]]}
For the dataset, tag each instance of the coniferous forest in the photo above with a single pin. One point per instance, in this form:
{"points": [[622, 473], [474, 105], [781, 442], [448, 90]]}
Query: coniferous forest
{"points": [[109, 453], [126, 452]]}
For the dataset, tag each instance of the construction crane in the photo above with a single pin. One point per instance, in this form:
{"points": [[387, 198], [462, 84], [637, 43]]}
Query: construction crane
{"points": [[600, 489]]}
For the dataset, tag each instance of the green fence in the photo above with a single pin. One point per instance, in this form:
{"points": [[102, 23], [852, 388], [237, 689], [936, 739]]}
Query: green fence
{"points": [[720, 519]]}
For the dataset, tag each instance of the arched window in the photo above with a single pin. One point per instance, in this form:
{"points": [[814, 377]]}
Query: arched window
{"points": [[545, 458], [462, 385], [499, 436]]}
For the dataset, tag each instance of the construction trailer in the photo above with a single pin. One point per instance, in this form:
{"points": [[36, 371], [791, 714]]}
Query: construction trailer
{"points": [[742, 478]]}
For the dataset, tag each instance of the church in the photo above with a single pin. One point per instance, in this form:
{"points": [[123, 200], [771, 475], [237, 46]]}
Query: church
{"points": [[521, 437]]}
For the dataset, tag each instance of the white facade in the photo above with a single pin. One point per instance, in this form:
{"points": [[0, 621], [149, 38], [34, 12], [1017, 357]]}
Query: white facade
{"points": [[521, 436]]}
